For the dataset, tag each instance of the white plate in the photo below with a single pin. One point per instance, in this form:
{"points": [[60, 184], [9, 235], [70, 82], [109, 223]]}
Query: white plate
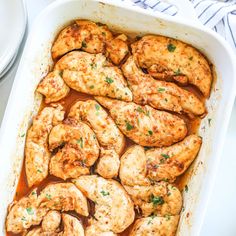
{"points": [[12, 28]]}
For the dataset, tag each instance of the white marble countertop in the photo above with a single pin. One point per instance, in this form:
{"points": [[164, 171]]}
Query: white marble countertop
{"points": [[219, 218]]}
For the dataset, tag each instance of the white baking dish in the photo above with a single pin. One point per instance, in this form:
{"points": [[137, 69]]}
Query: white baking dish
{"points": [[120, 15]]}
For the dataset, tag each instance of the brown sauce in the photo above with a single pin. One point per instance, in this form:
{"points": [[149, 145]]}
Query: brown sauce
{"points": [[73, 96]]}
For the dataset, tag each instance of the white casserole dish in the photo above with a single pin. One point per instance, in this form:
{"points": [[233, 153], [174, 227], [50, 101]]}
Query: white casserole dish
{"points": [[120, 15]]}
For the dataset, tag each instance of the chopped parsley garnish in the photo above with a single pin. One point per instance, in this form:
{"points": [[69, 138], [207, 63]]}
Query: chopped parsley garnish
{"points": [[91, 87], [109, 80], [48, 196], [30, 211], [61, 73], [80, 142], [33, 193], [140, 109], [23, 218], [104, 193], [161, 90], [156, 200], [150, 221], [167, 217], [186, 188], [93, 65], [84, 44], [23, 135], [39, 171], [129, 126], [171, 47], [150, 132], [166, 156], [97, 107], [178, 72]]}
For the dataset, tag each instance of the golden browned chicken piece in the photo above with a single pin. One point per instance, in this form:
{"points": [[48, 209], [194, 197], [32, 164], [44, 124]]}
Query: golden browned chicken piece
{"points": [[113, 209], [53, 87], [82, 34], [145, 125], [24, 213], [72, 226], [51, 221], [133, 167], [92, 38], [77, 135], [155, 225], [93, 74], [117, 48], [166, 58], [107, 133], [68, 163], [160, 94], [94, 228], [108, 163], [158, 199], [172, 161], [37, 155], [63, 197]]}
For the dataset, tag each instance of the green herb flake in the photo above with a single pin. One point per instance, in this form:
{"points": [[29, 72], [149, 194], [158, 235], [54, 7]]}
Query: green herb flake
{"points": [[97, 107], [166, 156], [23, 135], [161, 90], [178, 72], [104, 193], [140, 110], [209, 121], [80, 142], [171, 47], [91, 87], [150, 132], [151, 218], [157, 200], [84, 44], [39, 171], [61, 73], [48, 196], [186, 188], [93, 65], [30, 211], [129, 126], [167, 217], [109, 80], [147, 148], [33, 193], [23, 219]]}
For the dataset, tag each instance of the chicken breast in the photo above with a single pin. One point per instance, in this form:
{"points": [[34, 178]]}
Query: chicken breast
{"points": [[165, 58], [63, 197], [77, 135], [24, 213], [37, 155], [107, 133], [145, 125], [117, 49], [96, 229], [160, 94], [72, 226], [159, 199], [108, 163], [170, 162], [133, 167], [155, 225], [113, 209], [93, 74], [68, 163], [51, 221], [53, 87], [82, 34]]}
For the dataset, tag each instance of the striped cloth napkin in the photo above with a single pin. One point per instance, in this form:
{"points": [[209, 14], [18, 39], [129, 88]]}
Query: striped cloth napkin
{"points": [[219, 15]]}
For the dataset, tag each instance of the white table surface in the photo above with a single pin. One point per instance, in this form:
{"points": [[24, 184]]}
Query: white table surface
{"points": [[220, 217]]}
